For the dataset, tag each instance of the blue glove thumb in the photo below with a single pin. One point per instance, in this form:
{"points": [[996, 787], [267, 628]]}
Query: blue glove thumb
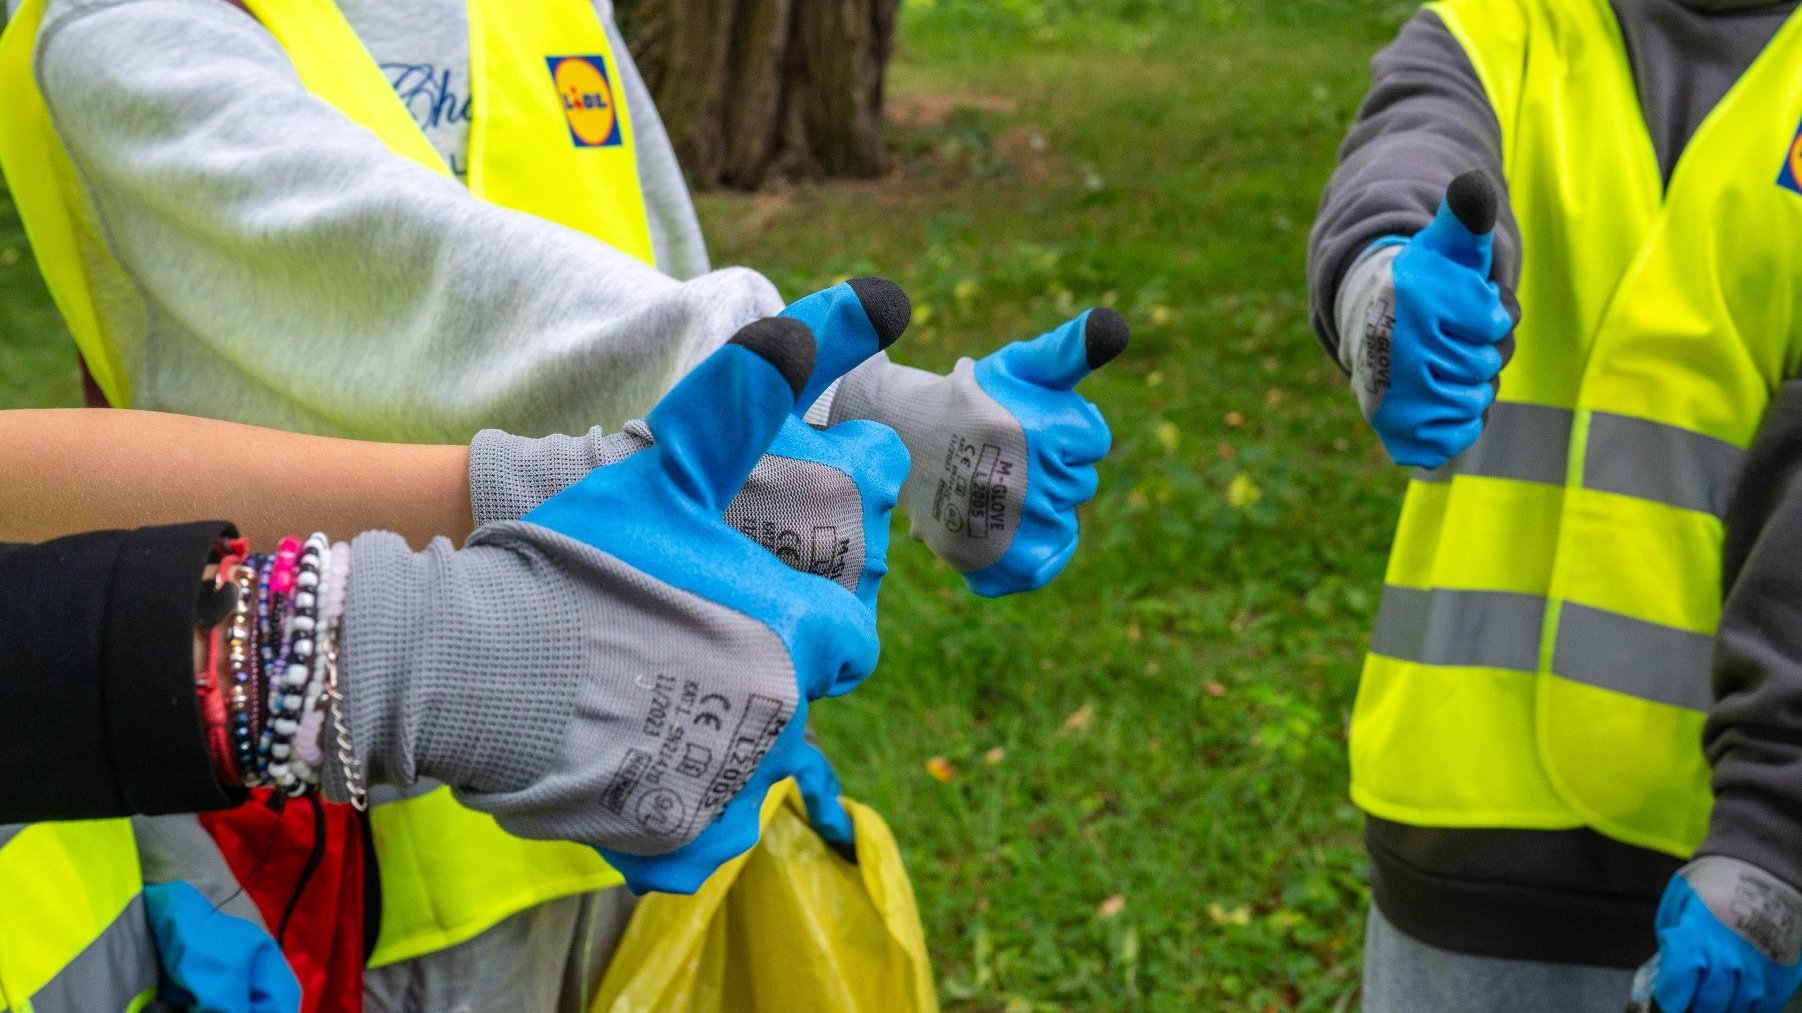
{"points": [[1060, 359], [1464, 229], [819, 789], [215, 962], [851, 321], [707, 449]]}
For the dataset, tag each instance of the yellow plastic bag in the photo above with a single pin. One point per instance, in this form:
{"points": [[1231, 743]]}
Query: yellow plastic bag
{"points": [[789, 927]]}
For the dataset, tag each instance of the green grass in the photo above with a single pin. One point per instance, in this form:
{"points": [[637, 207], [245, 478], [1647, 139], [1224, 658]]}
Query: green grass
{"points": [[1147, 810]]}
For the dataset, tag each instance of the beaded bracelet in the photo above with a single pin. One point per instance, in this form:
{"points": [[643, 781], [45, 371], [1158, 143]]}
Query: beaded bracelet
{"points": [[240, 660], [288, 683], [272, 665], [308, 756]]}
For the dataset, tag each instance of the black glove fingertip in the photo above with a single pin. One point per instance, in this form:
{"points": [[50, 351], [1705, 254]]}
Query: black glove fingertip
{"points": [[783, 342], [1472, 198], [887, 306], [1105, 336]]}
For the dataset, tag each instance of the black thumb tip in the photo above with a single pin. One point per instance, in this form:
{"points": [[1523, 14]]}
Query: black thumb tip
{"points": [[889, 309], [1472, 199], [784, 343], [1105, 336]]}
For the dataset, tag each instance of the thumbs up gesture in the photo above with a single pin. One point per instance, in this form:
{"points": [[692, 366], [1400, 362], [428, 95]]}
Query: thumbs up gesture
{"points": [[621, 666], [818, 499], [1427, 332], [1003, 448]]}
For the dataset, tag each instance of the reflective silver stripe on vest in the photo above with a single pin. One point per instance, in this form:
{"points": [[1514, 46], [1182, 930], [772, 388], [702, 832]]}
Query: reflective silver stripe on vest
{"points": [[1625, 455], [1631, 656], [1474, 629], [1665, 464], [115, 969], [1524, 442], [1501, 629], [10, 831]]}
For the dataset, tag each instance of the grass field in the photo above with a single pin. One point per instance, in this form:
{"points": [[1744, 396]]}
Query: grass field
{"points": [[1126, 792]]}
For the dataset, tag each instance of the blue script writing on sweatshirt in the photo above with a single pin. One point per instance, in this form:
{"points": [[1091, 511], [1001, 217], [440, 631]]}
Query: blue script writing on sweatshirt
{"points": [[439, 103]]}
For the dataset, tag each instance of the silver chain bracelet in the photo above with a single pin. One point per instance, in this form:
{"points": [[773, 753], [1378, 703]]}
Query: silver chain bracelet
{"points": [[347, 757]]}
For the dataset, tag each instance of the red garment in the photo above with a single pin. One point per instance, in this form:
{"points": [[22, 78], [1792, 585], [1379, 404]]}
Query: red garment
{"points": [[269, 853]]}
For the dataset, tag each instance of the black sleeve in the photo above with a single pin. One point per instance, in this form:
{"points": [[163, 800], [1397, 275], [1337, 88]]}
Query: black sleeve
{"points": [[1426, 121], [97, 676], [1754, 734]]}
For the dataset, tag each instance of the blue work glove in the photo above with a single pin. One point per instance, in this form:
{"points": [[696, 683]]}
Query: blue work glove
{"points": [[660, 512], [214, 962], [1729, 939], [819, 790], [1425, 332], [820, 503], [1003, 449]]}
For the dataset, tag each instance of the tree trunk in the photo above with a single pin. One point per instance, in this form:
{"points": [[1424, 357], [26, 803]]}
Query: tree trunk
{"points": [[751, 88]]}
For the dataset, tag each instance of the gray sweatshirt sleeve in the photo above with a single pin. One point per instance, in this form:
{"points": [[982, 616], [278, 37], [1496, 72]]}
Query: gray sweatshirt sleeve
{"points": [[1754, 734], [1425, 121], [296, 273]]}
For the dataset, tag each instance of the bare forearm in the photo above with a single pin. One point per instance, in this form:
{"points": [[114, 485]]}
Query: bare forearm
{"points": [[68, 470]]}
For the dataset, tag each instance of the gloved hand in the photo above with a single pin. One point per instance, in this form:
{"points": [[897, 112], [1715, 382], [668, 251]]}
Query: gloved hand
{"points": [[819, 790], [1003, 449], [812, 499], [1425, 333], [214, 962], [620, 667], [1729, 939]]}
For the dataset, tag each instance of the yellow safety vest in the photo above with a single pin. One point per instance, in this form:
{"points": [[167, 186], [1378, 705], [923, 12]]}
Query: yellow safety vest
{"points": [[551, 136], [1542, 655], [73, 935]]}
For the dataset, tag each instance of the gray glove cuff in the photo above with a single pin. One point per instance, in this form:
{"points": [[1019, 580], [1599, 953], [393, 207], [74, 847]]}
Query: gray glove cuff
{"points": [[1763, 909], [509, 475], [1364, 311], [432, 641]]}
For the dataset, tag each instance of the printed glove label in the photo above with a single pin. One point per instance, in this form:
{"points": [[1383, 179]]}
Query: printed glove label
{"points": [[697, 746], [974, 489]]}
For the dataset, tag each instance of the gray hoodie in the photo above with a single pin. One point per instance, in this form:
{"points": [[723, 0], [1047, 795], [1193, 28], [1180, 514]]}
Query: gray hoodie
{"points": [[287, 270]]}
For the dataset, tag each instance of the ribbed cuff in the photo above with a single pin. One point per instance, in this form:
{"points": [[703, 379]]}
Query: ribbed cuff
{"points": [[510, 476]]}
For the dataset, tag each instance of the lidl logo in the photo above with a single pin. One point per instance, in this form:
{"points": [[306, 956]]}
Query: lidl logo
{"points": [[587, 96], [1791, 176]]}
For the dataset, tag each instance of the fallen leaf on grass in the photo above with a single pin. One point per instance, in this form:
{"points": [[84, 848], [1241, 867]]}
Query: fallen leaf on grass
{"points": [[1080, 719], [1242, 492], [1111, 907], [1169, 435], [994, 756], [940, 769], [1240, 915], [1214, 689]]}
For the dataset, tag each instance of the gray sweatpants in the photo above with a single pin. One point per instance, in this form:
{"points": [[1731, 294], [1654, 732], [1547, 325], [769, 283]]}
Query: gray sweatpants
{"points": [[549, 959], [1404, 975]]}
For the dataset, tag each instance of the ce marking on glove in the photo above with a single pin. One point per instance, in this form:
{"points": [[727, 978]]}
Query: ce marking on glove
{"points": [[822, 551], [972, 495], [712, 707]]}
